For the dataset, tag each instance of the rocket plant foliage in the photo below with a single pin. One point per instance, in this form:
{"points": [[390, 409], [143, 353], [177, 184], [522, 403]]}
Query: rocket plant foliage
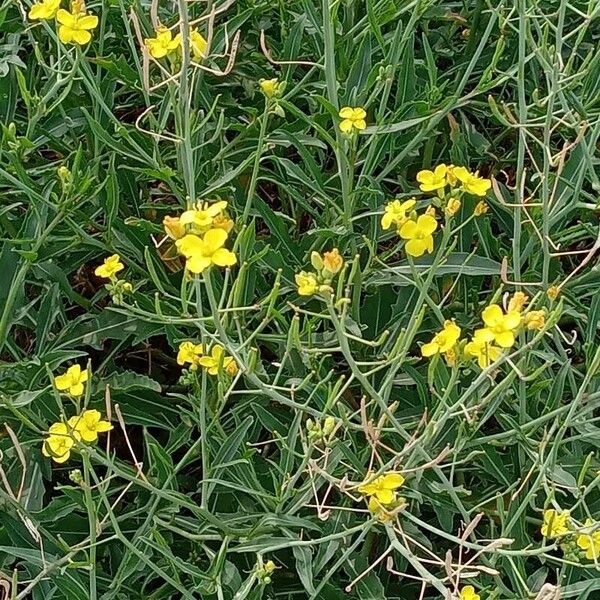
{"points": [[299, 300]]}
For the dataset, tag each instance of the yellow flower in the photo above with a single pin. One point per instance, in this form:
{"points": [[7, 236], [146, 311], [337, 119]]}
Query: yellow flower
{"points": [[590, 541], [418, 233], [468, 593], [198, 45], [385, 513], [383, 488], [111, 266], [535, 319], [471, 182], [553, 292], [480, 348], [500, 327], [190, 353], [555, 523], [218, 360], [59, 442], [452, 206], [517, 302], [223, 222], [202, 216], [433, 180], [163, 43], [75, 26], [352, 118], [442, 341], [173, 227], [89, 424], [269, 87], [201, 253], [46, 9], [307, 283], [481, 208], [395, 213], [72, 380], [332, 262]]}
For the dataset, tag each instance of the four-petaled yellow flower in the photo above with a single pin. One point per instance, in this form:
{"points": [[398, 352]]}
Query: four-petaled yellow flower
{"points": [[352, 118], [396, 213], [590, 541], [218, 360], [88, 425], [468, 593], [480, 348], [471, 182], [383, 488], [110, 267], [75, 26], [190, 353], [59, 442], [46, 9], [535, 319], [443, 341], [332, 262], [433, 180], [419, 235], [270, 87], [202, 216], [307, 283], [201, 253], [163, 43], [499, 327], [555, 523], [72, 381]]}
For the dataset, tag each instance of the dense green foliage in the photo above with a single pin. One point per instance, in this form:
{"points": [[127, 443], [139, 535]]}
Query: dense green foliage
{"points": [[205, 478]]}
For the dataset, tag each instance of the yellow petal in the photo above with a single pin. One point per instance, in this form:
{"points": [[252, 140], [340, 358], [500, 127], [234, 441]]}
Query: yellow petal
{"points": [[429, 349], [427, 224], [197, 263], [224, 258], [214, 239], [415, 247], [346, 125], [492, 315], [88, 22], [347, 112], [64, 17], [392, 481]]}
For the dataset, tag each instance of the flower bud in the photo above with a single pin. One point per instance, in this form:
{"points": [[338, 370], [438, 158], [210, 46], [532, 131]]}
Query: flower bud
{"points": [[333, 261], [316, 261]]}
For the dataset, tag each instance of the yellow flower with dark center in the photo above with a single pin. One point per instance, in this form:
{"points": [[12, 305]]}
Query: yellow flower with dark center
{"points": [[433, 180], [174, 228], [201, 253], [517, 302], [46, 9], [59, 442], [110, 267], [202, 216], [471, 182], [333, 261], [418, 235], [535, 319], [218, 361], [190, 353], [468, 593], [88, 425], [72, 381], [383, 488], [442, 341], [396, 213], [555, 523], [163, 43], [352, 118], [589, 540], [499, 327], [481, 349], [307, 283], [75, 26]]}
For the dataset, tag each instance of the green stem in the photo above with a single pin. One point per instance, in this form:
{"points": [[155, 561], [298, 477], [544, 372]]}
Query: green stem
{"points": [[92, 521]]}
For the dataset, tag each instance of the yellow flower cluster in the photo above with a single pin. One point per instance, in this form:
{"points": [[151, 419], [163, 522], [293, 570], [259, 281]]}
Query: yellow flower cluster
{"points": [[326, 266], [62, 436], [200, 234], [215, 362], [499, 332], [164, 43], [558, 524], [74, 27], [449, 175], [381, 493]]}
